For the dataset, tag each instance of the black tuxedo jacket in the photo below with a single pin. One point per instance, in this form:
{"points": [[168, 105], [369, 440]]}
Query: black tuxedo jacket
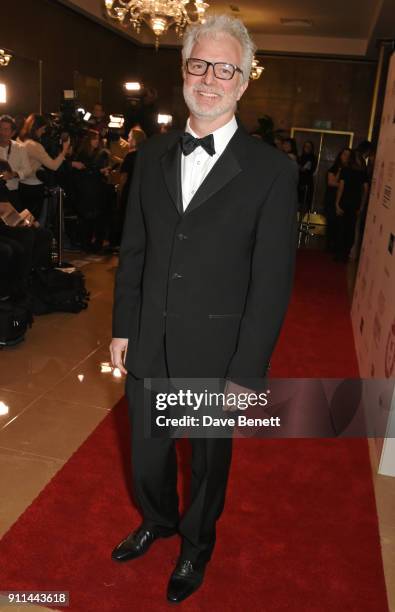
{"points": [[210, 286]]}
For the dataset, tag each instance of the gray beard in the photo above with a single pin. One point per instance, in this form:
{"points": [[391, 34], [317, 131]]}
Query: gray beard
{"points": [[226, 104]]}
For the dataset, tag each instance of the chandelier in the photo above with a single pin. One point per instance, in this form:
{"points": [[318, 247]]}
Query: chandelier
{"points": [[159, 15], [256, 70], [4, 58]]}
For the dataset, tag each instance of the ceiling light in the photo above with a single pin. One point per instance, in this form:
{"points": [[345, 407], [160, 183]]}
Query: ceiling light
{"points": [[4, 58], [256, 70], [159, 15], [132, 86]]}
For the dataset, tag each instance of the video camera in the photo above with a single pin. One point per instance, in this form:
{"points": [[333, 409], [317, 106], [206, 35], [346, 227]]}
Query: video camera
{"points": [[67, 123]]}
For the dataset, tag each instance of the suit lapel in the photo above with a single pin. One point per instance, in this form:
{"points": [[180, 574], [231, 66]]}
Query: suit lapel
{"points": [[223, 171], [171, 165]]}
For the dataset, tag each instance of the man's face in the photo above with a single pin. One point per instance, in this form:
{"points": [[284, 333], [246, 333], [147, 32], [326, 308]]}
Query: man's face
{"points": [[5, 131], [206, 96]]}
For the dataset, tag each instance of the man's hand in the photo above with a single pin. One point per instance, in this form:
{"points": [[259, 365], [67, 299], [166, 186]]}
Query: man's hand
{"points": [[234, 389], [339, 211], [118, 350]]}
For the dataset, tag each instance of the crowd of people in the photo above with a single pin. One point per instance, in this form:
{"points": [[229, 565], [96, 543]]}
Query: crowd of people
{"points": [[346, 195], [95, 170]]}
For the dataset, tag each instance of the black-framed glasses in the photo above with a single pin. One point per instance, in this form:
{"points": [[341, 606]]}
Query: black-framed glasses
{"points": [[222, 70]]}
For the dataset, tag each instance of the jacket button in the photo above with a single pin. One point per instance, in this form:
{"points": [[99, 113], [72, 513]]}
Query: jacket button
{"points": [[181, 237], [176, 275]]}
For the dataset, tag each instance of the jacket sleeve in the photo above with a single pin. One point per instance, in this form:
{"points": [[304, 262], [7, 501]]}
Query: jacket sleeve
{"points": [[131, 259], [271, 279]]}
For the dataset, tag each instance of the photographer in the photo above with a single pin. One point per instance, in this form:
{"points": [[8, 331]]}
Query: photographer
{"points": [[16, 156], [99, 120], [24, 246], [32, 188]]}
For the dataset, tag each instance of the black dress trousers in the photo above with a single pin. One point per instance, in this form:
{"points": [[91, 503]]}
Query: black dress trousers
{"points": [[154, 469]]}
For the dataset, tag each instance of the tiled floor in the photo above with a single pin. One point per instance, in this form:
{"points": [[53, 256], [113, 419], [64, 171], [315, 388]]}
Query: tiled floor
{"points": [[55, 392], [56, 395]]}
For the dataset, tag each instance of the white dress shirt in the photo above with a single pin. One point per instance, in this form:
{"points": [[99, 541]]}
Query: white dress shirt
{"points": [[196, 165], [16, 155]]}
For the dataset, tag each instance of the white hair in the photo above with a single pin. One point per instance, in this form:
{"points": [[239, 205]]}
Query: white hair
{"points": [[221, 24]]}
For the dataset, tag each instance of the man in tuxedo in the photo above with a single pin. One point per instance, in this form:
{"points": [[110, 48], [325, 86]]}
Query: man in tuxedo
{"points": [[204, 279]]}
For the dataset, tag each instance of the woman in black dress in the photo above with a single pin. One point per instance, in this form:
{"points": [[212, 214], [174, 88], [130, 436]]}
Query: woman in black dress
{"points": [[333, 178], [351, 197], [307, 166], [91, 190]]}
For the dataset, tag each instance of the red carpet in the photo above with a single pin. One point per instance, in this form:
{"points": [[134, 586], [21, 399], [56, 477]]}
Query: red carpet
{"points": [[299, 532]]}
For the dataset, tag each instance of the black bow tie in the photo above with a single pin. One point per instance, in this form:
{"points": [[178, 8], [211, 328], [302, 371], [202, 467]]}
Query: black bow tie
{"points": [[189, 143]]}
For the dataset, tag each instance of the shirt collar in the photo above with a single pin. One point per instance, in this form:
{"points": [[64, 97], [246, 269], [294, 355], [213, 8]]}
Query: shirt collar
{"points": [[221, 136]]}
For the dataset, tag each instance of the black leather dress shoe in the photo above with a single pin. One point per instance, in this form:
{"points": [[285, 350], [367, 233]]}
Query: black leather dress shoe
{"points": [[185, 580], [136, 544]]}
